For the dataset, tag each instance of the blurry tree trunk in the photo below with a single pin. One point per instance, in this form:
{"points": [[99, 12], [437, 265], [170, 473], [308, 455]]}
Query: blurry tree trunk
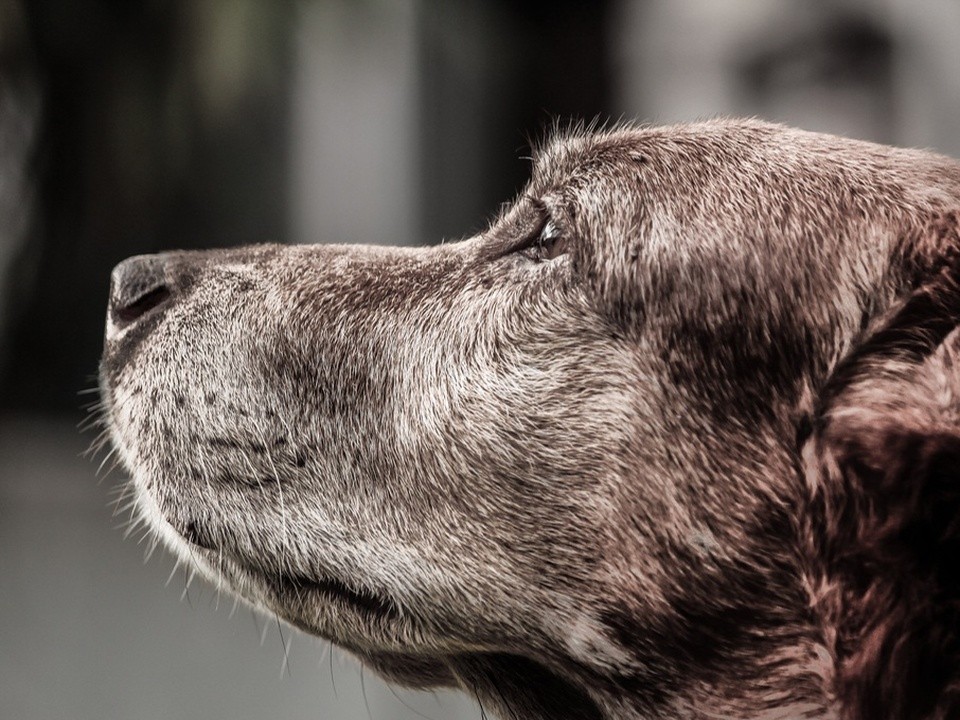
{"points": [[141, 147]]}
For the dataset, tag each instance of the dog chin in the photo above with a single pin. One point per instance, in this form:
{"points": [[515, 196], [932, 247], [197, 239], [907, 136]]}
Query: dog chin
{"points": [[413, 671]]}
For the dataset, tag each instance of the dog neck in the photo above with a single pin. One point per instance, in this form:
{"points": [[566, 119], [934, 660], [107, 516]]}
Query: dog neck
{"points": [[788, 679], [784, 686], [739, 639]]}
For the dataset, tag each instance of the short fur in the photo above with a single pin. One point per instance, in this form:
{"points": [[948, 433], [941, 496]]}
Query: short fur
{"points": [[699, 457]]}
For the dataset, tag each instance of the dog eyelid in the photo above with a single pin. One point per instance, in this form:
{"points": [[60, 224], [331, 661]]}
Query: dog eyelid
{"points": [[543, 239], [548, 244]]}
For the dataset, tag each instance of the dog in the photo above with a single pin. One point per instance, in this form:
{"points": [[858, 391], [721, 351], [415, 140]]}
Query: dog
{"points": [[676, 436]]}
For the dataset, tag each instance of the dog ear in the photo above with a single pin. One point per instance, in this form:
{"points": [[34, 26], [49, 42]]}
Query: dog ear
{"points": [[882, 463]]}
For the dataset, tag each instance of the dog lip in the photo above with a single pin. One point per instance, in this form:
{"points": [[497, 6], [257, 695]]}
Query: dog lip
{"points": [[297, 585], [195, 534]]}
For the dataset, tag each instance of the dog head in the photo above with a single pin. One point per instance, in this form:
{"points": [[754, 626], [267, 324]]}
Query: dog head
{"points": [[678, 433]]}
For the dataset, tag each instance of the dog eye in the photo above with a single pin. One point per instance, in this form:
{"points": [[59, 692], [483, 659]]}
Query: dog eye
{"points": [[548, 244]]}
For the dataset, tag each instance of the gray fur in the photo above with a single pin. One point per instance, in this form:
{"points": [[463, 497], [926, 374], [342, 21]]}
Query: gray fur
{"points": [[577, 486]]}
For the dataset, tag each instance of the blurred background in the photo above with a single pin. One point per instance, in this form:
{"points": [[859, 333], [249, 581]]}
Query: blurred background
{"points": [[132, 126]]}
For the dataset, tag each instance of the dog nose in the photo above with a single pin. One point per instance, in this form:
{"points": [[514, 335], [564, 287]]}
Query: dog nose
{"points": [[137, 286]]}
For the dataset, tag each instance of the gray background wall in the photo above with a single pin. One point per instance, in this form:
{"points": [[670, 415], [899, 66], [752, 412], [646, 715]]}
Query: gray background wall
{"points": [[134, 126]]}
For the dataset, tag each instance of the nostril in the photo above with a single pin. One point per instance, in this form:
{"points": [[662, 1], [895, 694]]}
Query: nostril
{"points": [[138, 285], [143, 304]]}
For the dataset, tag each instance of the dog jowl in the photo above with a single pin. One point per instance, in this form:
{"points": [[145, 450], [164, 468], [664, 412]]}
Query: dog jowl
{"points": [[677, 436]]}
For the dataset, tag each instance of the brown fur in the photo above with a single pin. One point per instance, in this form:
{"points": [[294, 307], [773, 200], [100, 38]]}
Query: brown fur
{"points": [[678, 435]]}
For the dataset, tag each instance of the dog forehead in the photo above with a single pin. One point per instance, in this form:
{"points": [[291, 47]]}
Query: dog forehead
{"points": [[575, 156], [687, 172], [576, 151], [742, 152], [728, 189]]}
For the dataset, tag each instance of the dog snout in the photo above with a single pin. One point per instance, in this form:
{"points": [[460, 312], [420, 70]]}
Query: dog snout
{"points": [[137, 286]]}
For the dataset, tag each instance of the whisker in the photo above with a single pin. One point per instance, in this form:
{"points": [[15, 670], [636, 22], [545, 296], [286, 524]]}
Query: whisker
{"points": [[333, 679], [263, 634], [363, 689], [109, 456], [173, 572], [405, 704], [186, 589], [254, 616], [476, 694], [285, 666]]}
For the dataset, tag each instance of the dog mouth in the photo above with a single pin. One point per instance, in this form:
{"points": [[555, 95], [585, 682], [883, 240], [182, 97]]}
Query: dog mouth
{"points": [[292, 593], [299, 589], [302, 589]]}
